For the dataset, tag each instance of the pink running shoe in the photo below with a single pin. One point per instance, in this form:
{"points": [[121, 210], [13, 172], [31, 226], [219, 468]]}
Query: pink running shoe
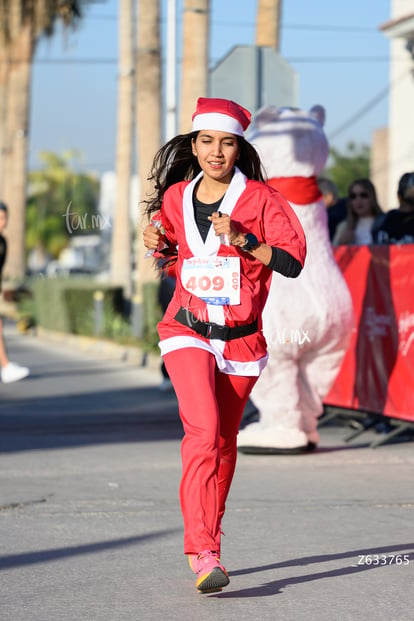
{"points": [[211, 575]]}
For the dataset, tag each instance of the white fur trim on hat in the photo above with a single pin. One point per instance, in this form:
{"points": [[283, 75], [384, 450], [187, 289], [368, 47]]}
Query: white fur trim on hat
{"points": [[217, 121]]}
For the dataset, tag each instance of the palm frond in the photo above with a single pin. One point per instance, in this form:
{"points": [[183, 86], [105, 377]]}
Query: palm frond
{"points": [[40, 14]]}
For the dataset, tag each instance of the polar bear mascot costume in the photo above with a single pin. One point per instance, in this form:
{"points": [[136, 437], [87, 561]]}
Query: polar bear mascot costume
{"points": [[307, 321]]}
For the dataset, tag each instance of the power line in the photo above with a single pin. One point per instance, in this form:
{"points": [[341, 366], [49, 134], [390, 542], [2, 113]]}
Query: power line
{"points": [[362, 112], [314, 27], [315, 59], [75, 61], [337, 59], [362, 29], [368, 106], [103, 17]]}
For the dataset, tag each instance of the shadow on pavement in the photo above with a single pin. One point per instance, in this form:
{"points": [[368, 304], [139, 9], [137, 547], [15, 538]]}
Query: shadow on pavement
{"points": [[275, 587], [55, 554], [96, 417]]}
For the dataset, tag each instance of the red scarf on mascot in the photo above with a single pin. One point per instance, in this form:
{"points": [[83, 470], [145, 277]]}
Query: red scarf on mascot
{"points": [[298, 190]]}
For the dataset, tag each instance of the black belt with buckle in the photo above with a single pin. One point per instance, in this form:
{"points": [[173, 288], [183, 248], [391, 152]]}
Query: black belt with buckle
{"points": [[214, 330]]}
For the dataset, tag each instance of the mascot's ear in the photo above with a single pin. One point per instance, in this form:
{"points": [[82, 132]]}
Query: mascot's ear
{"points": [[318, 113], [265, 115]]}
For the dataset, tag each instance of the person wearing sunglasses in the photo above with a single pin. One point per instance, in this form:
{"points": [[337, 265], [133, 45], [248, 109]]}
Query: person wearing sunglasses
{"points": [[362, 211], [397, 225]]}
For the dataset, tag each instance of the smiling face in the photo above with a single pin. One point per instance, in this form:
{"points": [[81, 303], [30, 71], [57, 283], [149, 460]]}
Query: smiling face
{"points": [[216, 152]]}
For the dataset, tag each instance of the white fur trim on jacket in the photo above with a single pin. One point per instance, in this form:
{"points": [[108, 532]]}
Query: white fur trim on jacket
{"points": [[252, 368]]}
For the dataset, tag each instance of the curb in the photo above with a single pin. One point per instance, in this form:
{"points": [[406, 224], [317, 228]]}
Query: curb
{"points": [[102, 348]]}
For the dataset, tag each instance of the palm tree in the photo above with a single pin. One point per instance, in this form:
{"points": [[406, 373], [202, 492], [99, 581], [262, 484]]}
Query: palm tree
{"points": [[4, 69], [268, 23], [121, 233], [148, 106], [57, 183], [22, 23], [194, 79]]}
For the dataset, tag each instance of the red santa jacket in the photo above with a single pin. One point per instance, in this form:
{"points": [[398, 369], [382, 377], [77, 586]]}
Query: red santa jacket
{"points": [[253, 207]]}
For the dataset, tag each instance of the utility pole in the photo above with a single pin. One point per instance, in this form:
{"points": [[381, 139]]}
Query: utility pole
{"points": [[148, 126], [194, 79], [170, 79], [268, 23], [121, 245]]}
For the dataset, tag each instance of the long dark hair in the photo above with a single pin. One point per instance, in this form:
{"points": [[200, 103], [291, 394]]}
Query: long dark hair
{"points": [[369, 188], [175, 162]]}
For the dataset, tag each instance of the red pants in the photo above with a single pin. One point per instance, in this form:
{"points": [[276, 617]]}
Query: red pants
{"points": [[211, 406]]}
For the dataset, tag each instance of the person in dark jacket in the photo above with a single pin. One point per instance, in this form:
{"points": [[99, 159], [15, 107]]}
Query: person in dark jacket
{"points": [[10, 371], [397, 226], [335, 206]]}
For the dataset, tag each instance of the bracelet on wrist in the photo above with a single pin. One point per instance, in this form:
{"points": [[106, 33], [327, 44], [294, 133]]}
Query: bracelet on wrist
{"points": [[251, 242], [246, 241]]}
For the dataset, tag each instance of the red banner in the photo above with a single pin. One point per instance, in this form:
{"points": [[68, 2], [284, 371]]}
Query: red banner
{"points": [[377, 373]]}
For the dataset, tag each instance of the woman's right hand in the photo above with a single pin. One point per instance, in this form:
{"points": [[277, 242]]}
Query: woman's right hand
{"points": [[151, 237]]}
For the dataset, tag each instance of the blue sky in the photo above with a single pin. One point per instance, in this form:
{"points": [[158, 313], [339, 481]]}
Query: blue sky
{"points": [[336, 48]]}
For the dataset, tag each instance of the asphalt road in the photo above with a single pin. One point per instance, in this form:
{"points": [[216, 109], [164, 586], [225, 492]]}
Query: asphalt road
{"points": [[90, 525]]}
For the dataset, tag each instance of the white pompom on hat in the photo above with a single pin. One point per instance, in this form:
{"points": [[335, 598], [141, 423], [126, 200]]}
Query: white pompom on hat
{"points": [[220, 114]]}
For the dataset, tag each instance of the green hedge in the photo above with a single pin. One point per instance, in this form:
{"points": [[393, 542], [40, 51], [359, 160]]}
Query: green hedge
{"points": [[66, 304], [80, 306]]}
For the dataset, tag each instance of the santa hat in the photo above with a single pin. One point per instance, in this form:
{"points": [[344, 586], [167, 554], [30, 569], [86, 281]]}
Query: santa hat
{"points": [[220, 114]]}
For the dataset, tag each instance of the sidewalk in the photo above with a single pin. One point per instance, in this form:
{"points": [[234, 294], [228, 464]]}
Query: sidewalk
{"points": [[91, 527]]}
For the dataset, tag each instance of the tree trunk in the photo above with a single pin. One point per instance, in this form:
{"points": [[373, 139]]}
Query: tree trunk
{"points": [[268, 23], [4, 76], [122, 230], [194, 78], [148, 121], [15, 169]]}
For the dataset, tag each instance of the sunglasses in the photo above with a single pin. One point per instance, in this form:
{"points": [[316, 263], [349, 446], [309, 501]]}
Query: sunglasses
{"points": [[354, 195]]}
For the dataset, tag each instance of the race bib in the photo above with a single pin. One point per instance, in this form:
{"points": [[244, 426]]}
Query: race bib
{"points": [[216, 280]]}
